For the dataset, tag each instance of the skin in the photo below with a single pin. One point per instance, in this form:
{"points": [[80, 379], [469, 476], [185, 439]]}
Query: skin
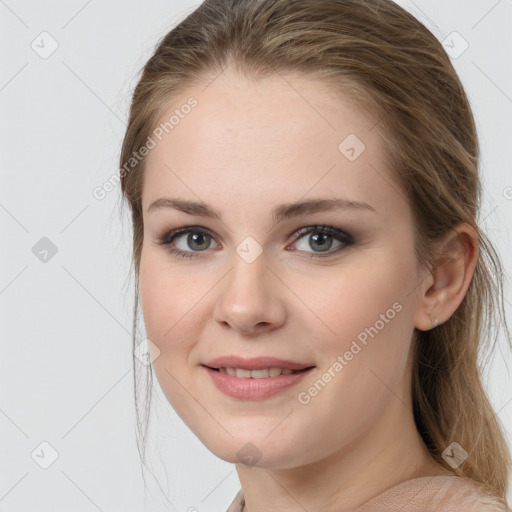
{"points": [[247, 147]]}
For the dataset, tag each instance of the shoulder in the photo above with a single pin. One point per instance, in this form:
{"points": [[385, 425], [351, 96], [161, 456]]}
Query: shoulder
{"points": [[457, 494], [435, 494], [432, 494]]}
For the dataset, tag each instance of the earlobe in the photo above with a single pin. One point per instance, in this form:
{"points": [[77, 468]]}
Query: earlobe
{"points": [[449, 279]]}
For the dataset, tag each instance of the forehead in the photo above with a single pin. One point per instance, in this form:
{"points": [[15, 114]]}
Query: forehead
{"points": [[284, 135]]}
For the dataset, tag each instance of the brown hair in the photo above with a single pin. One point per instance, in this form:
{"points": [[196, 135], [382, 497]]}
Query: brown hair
{"points": [[381, 56]]}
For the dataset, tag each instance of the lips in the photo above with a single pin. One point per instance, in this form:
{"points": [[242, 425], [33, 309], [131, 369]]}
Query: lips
{"points": [[255, 363], [243, 388]]}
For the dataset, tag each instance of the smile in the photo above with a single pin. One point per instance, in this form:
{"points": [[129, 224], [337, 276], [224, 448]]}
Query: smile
{"points": [[244, 384]]}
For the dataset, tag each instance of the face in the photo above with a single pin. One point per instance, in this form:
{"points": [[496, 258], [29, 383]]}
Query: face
{"points": [[327, 289]]}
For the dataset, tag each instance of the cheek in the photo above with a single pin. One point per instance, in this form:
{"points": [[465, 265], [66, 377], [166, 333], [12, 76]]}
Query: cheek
{"points": [[175, 308], [348, 299], [158, 300], [371, 316], [366, 318], [170, 319], [153, 295], [165, 294]]}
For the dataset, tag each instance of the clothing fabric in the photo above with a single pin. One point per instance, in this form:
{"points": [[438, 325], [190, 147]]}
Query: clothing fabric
{"points": [[426, 494]]}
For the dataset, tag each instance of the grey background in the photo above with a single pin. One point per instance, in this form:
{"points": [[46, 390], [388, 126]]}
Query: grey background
{"points": [[65, 360]]}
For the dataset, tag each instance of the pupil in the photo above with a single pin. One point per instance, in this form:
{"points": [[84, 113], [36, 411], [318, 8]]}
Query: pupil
{"points": [[194, 238], [322, 236]]}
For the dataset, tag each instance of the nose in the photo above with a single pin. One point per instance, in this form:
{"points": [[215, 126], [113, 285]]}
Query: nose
{"points": [[250, 298]]}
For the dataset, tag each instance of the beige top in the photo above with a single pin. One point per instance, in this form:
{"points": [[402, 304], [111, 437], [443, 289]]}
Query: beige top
{"points": [[426, 494]]}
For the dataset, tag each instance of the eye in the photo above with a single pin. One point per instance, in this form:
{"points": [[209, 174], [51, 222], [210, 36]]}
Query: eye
{"points": [[196, 240], [322, 238], [187, 242]]}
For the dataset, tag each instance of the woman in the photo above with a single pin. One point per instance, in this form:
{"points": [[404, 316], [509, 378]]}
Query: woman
{"points": [[303, 182]]}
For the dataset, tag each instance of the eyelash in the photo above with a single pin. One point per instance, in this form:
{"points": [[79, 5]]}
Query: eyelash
{"points": [[345, 238]]}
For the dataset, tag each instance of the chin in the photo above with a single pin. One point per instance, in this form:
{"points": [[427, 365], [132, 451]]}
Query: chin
{"points": [[254, 451]]}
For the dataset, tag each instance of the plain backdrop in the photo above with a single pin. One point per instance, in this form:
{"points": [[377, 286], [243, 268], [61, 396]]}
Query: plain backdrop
{"points": [[66, 391]]}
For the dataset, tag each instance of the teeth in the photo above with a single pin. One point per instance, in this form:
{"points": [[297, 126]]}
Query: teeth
{"points": [[243, 373], [256, 374]]}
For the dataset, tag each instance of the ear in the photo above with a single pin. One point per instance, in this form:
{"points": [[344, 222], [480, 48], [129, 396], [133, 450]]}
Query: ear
{"points": [[447, 283]]}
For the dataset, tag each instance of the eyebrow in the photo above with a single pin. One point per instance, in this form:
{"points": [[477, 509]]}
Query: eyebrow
{"points": [[280, 213]]}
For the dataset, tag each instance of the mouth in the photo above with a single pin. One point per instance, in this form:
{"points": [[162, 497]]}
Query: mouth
{"points": [[260, 373], [255, 384]]}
